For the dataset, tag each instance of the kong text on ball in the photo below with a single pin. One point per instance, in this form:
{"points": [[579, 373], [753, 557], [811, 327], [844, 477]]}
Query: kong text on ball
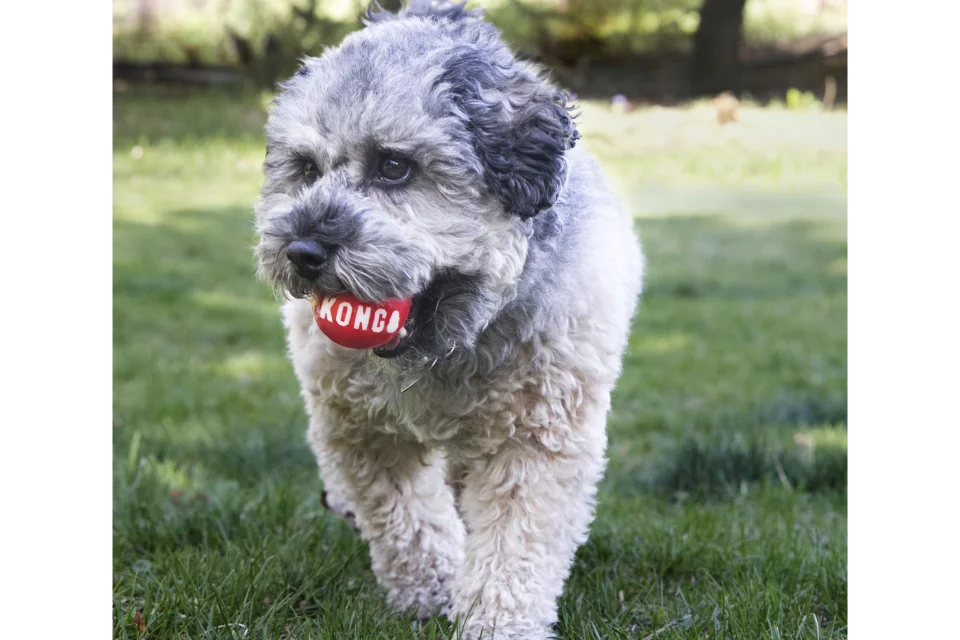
{"points": [[356, 324]]}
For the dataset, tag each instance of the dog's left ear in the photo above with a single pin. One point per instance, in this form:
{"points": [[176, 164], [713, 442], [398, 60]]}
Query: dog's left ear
{"points": [[521, 128]]}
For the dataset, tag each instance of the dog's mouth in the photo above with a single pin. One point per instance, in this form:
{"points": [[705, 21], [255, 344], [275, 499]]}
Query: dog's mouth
{"points": [[422, 324], [423, 309], [407, 334]]}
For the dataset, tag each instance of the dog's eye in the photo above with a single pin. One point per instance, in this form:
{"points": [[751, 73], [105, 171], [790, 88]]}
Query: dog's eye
{"points": [[310, 172], [393, 169]]}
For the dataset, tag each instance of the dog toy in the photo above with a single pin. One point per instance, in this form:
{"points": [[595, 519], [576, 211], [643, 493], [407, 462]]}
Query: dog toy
{"points": [[356, 324]]}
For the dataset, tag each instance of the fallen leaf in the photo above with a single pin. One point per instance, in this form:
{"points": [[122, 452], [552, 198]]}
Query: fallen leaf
{"points": [[140, 620]]}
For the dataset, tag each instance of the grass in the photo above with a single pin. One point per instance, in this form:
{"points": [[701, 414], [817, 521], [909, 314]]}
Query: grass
{"points": [[723, 512]]}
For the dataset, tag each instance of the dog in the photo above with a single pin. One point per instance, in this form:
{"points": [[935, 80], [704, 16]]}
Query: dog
{"points": [[422, 159]]}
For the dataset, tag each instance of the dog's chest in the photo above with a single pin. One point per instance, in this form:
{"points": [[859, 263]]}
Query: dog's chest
{"points": [[542, 391], [429, 407], [472, 415]]}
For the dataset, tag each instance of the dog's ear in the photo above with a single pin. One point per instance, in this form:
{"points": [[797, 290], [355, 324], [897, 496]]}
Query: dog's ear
{"points": [[521, 128]]}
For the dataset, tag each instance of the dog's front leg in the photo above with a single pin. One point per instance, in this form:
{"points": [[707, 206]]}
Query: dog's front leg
{"points": [[527, 510], [402, 507]]}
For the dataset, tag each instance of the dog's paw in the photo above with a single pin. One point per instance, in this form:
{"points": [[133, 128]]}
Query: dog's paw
{"points": [[499, 619], [334, 504], [424, 601], [475, 630]]}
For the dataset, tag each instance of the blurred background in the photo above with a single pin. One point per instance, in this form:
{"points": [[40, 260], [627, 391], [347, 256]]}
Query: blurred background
{"points": [[647, 50], [722, 124]]}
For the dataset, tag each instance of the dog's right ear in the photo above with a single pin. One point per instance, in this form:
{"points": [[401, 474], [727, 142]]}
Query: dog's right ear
{"points": [[520, 125]]}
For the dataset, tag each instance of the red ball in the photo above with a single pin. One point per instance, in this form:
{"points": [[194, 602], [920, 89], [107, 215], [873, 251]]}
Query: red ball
{"points": [[355, 324]]}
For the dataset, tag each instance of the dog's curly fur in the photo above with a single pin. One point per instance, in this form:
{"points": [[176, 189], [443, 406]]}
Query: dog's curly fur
{"points": [[469, 459]]}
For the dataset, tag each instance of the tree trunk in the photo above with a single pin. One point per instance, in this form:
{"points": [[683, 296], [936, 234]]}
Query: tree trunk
{"points": [[716, 47]]}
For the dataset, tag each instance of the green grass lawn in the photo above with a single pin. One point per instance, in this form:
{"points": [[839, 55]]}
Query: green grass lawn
{"points": [[723, 512]]}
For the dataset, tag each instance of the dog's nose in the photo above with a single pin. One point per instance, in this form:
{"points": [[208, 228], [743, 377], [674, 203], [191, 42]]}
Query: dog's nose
{"points": [[307, 258]]}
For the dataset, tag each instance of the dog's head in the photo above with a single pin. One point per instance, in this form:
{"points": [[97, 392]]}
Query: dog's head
{"points": [[408, 162]]}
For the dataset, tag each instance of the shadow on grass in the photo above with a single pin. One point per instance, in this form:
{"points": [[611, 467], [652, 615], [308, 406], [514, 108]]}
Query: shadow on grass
{"points": [[185, 115], [195, 262], [739, 346], [722, 468], [695, 257], [200, 370]]}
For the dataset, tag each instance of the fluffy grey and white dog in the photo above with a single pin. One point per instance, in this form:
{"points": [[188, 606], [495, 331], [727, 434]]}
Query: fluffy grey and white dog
{"points": [[422, 158]]}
